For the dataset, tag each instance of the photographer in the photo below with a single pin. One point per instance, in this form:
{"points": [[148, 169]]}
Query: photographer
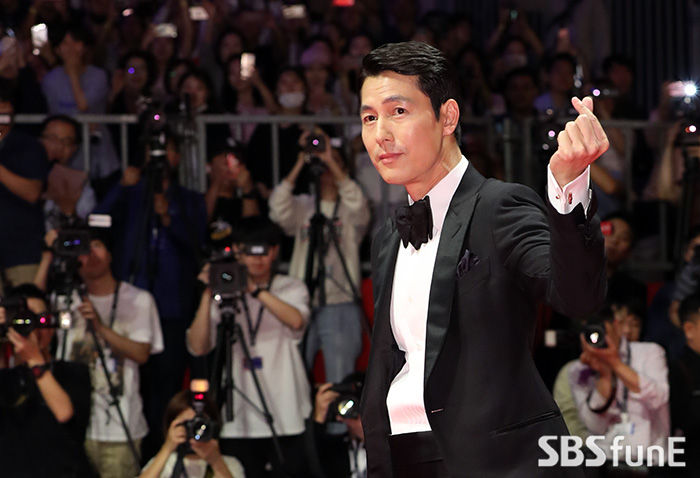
{"points": [[339, 456], [622, 389], [44, 405], [272, 317], [125, 321], [205, 456], [337, 324], [157, 247], [231, 194]]}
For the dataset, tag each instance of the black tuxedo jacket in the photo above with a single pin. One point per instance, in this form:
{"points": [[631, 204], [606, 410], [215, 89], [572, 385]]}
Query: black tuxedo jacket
{"points": [[484, 398]]}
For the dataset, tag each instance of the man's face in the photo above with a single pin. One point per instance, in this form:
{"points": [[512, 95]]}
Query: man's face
{"points": [[627, 324], [59, 141], [260, 266], [622, 77], [691, 328], [561, 76], [619, 242], [96, 264], [521, 92], [70, 47], [399, 129], [136, 74], [6, 112]]}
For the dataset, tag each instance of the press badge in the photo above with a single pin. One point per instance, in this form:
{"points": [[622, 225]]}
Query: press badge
{"points": [[625, 427], [254, 363]]}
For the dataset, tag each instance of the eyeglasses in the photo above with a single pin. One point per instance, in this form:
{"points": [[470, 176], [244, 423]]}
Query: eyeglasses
{"points": [[65, 142]]}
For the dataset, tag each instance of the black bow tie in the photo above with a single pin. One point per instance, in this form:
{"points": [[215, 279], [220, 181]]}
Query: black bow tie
{"points": [[415, 223]]}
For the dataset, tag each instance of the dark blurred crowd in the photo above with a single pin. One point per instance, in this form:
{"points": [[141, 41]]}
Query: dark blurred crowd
{"points": [[145, 301]]}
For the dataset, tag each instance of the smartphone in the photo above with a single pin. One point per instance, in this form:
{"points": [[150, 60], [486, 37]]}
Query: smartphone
{"points": [[247, 65], [127, 12], [513, 15], [292, 12], [343, 3], [166, 30], [40, 36], [682, 89], [198, 14]]}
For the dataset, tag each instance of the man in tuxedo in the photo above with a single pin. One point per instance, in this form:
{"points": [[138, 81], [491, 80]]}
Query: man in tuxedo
{"points": [[451, 388]]}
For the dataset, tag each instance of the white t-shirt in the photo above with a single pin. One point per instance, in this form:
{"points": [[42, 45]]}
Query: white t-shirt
{"points": [[197, 468], [137, 319], [282, 376]]}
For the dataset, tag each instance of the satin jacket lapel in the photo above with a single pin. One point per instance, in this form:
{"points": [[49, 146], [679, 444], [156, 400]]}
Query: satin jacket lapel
{"points": [[384, 275], [456, 224]]}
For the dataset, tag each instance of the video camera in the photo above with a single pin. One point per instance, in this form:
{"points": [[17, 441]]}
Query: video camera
{"points": [[21, 319], [347, 405], [201, 427]]}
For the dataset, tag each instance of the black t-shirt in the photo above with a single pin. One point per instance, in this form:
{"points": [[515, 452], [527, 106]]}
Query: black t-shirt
{"points": [[32, 442], [22, 231]]}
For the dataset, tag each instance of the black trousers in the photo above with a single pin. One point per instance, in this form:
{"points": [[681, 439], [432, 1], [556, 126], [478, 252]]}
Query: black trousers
{"points": [[259, 460], [416, 455]]}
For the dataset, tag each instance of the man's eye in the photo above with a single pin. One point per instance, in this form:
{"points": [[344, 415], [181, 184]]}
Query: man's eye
{"points": [[368, 118], [400, 111]]}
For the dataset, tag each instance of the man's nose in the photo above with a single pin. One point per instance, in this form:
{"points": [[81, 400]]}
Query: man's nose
{"points": [[384, 133]]}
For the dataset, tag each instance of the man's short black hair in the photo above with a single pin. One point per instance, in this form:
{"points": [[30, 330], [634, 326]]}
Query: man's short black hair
{"points": [[28, 291], [617, 59], [567, 57], [436, 75], [258, 230], [518, 72], [689, 309], [75, 29], [63, 119]]}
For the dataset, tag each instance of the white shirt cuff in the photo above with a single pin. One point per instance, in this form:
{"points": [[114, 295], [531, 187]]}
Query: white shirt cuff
{"points": [[567, 198]]}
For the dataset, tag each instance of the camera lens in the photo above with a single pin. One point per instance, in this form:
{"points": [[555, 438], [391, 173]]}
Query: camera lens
{"points": [[226, 277]]}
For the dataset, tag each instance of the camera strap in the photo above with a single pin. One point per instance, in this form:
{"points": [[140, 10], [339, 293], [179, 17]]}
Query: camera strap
{"points": [[113, 311], [254, 328], [625, 390]]}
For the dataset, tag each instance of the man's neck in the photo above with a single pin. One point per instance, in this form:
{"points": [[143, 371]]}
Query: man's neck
{"points": [[262, 280], [449, 158], [103, 285]]}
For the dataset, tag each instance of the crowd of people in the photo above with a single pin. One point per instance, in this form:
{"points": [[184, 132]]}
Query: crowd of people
{"points": [[145, 317]]}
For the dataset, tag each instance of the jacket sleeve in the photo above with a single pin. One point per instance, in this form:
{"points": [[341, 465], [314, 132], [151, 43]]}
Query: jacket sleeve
{"points": [[355, 204], [285, 209], [653, 378], [555, 256]]}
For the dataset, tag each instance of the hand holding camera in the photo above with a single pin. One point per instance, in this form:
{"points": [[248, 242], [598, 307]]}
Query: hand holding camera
{"points": [[600, 358]]}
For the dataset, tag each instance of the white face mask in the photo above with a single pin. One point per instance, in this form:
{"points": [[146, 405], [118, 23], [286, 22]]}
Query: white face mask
{"points": [[291, 100]]}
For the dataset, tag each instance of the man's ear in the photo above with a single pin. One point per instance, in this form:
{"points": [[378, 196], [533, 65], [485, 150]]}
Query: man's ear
{"points": [[449, 117], [688, 329]]}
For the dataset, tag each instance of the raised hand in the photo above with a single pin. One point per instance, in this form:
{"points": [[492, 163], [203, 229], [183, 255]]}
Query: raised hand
{"points": [[580, 143]]}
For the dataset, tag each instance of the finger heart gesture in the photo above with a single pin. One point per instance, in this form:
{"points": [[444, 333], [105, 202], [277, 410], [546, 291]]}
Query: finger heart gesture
{"points": [[580, 143]]}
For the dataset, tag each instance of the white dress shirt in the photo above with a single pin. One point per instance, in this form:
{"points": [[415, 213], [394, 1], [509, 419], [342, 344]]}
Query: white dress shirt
{"points": [[411, 292]]}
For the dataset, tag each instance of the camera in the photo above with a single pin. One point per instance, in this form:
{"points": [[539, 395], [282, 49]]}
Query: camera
{"points": [[201, 427], [347, 405], [594, 334], [227, 279], [315, 144], [21, 319], [72, 243]]}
